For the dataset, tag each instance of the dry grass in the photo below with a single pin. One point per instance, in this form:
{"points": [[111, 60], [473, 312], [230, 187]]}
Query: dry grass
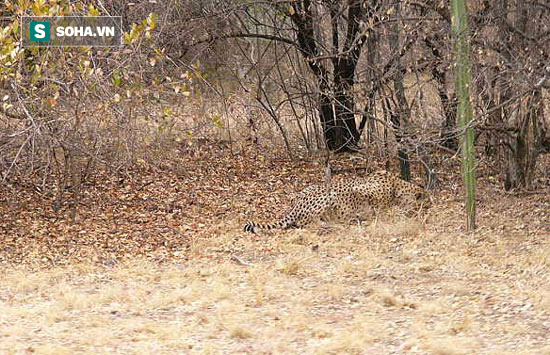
{"points": [[394, 285]]}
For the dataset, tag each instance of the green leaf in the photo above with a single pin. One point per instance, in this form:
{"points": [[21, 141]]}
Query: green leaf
{"points": [[117, 80], [217, 120]]}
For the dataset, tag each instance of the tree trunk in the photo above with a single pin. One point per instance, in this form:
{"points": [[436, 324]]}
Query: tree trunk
{"points": [[336, 102], [400, 118], [344, 106], [448, 134], [527, 144], [465, 113], [368, 111], [337, 136]]}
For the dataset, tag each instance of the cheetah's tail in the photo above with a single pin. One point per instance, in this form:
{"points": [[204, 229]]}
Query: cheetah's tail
{"points": [[253, 227]]}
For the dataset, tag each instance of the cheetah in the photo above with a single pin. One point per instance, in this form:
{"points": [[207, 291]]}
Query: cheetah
{"points": [[342, 198]]}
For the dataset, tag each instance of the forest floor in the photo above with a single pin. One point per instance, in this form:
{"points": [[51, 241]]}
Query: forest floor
{"points": [[157, 262]]}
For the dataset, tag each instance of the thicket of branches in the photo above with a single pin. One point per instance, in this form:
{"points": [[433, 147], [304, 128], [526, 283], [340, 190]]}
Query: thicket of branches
{"points": [[67, 112], [382, 71], [323, 74]]}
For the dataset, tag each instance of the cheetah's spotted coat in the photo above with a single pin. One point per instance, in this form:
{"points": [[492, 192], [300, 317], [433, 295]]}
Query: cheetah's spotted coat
{"points": [[342, 198]]}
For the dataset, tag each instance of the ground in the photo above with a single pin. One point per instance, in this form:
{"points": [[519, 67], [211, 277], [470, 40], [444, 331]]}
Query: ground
{"points": [[157, 262]]}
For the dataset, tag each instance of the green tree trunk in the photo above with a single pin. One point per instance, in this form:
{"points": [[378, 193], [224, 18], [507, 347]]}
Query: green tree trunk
{"points": [[465, 113]]}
